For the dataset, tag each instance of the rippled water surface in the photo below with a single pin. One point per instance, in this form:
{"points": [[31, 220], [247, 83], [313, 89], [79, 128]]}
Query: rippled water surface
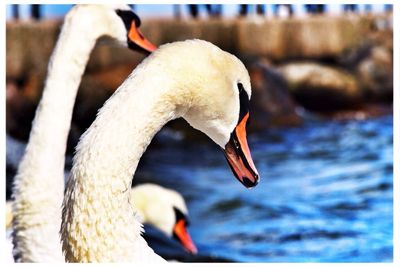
{"points": [[325, 193]]}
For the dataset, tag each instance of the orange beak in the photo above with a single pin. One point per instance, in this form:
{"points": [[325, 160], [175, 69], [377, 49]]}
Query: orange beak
{"points": [[137, 41], [182, 235], [237, 153]]}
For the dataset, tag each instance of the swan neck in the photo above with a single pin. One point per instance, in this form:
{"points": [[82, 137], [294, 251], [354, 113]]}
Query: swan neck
{"points": [[98, 193], [50, 127], [39, 183], [65, 71]]}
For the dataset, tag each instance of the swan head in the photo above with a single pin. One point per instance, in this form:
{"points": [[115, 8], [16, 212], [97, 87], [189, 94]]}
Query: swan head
{"points": [[216, 89], [166, 210], [117, 21]]}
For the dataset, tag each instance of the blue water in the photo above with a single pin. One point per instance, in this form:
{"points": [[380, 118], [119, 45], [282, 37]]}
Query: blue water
{"points": [[325, 193]]}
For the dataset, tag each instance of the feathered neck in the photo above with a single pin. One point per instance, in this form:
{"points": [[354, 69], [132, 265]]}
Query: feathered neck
{"points": [[98, 222], [39, 184]]}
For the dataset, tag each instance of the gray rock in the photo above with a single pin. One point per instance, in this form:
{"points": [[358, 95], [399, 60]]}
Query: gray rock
{"points": [[375, 74], [322, 88], [271, 101]]}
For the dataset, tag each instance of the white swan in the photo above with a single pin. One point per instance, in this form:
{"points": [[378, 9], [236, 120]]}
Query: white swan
{"points": [[163, 208], [195, 80], [39, 183]]}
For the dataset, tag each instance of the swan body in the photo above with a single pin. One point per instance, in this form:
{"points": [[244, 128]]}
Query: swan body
{"points": [[39, 184], [192, 79]]}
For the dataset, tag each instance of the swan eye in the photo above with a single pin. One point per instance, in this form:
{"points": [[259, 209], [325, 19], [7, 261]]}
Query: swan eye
{"points": [[244, 102], [179, 216], [127, 17]]}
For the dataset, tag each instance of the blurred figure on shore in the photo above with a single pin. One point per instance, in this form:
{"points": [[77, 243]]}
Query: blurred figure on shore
{"points": [[260, 10], [15, 11], [243, 10], [35, 12], [214, 11], [194, 10], [315, 9], [350, 8]]}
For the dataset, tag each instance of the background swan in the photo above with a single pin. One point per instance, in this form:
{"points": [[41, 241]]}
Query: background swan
{"points": [[163, 208], [39, 183], [195, 80]]}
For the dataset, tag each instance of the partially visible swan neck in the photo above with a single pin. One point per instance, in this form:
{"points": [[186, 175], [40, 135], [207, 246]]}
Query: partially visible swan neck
{"points": [[51, 125], [39, 184], [97, 194], [67, 65]]}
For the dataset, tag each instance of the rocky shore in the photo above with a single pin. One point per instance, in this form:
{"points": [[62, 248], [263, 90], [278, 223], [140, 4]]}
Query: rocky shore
{"points": [[337, 67]]}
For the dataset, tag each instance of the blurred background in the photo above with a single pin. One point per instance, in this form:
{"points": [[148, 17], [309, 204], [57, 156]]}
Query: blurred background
{"points": [[321, 129]]}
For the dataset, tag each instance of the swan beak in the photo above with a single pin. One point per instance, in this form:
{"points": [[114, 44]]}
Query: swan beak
{"points": [[137, 41], [237, 153], [182, 235]]}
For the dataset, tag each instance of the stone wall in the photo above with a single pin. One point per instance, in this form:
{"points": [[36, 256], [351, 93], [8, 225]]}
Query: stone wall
{"points": [[279, 39], [264, 45]]}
